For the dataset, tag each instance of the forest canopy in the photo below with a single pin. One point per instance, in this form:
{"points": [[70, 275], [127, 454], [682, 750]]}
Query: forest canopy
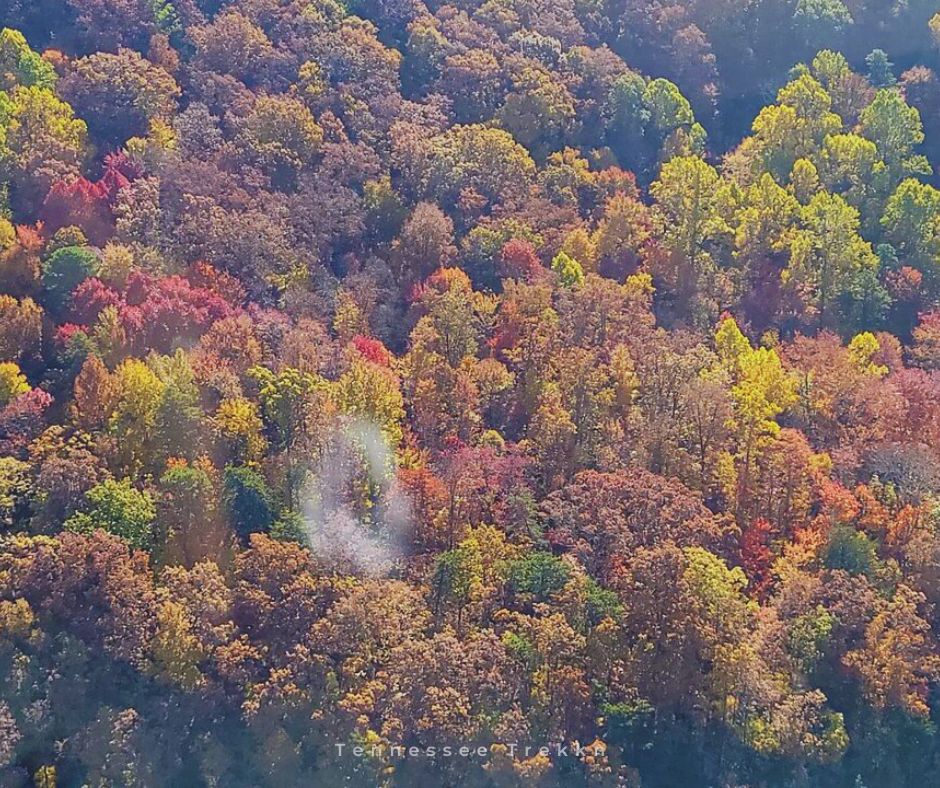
{"points": [[554, 379]]}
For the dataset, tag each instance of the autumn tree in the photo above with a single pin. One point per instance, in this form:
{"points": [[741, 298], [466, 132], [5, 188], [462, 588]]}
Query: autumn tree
{"points": [[122, 94], [42, 142]]}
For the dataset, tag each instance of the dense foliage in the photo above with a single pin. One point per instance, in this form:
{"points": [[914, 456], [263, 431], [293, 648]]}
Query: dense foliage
{"points": [[490, 374]]}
